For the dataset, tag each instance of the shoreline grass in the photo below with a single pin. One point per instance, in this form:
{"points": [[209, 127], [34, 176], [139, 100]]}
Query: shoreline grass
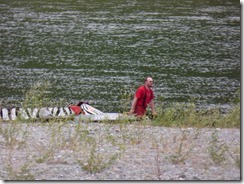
{"points": [[172, 115], [96, 148], [186, 115]]}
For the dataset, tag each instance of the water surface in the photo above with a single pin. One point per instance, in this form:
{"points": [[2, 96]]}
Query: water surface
{"points": [[96, 50]]}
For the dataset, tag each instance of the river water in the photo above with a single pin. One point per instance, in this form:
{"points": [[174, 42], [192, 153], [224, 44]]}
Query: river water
{"points": [[98, 50]]}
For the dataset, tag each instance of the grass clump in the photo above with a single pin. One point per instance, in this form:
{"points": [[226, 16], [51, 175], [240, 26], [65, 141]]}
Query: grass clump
{"points": [[95, 161], [96, 151], [180, 155], [216, 149], [186, 115], [36, 96], [13, 135], [20, 172]]}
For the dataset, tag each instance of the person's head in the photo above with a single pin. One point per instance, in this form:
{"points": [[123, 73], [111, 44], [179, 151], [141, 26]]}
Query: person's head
{"points": [[148, 82]]}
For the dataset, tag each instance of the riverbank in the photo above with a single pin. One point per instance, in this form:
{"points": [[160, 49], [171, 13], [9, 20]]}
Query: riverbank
{"points": [[107, 151]]}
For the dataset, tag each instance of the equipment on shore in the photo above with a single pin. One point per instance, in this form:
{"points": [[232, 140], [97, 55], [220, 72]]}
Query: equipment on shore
{"points": [[81, 112]]}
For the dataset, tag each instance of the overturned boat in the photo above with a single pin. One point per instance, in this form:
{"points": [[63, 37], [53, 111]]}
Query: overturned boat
{"points": [[81, 112]]}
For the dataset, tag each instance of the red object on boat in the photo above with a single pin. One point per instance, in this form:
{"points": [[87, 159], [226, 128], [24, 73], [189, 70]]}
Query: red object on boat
{"points": [[76, 109]]}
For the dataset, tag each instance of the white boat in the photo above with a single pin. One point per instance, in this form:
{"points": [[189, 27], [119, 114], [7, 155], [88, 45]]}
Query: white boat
{"points": [[104, 117], [89, 113]]}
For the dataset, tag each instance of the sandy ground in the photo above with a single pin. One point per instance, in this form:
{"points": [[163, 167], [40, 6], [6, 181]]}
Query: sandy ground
{"points": [[98, 151]]}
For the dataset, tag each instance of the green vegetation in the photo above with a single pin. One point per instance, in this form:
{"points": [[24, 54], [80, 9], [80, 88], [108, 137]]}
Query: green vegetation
{"points": [[37, 96], [216, 149], [173, 115], [186, 115], [96, 148]]}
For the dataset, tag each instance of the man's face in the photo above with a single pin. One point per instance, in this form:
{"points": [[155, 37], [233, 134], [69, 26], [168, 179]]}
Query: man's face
{"points": [[149, 82]]}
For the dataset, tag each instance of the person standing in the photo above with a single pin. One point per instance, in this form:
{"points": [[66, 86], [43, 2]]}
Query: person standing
{"points": [[143, 97]]}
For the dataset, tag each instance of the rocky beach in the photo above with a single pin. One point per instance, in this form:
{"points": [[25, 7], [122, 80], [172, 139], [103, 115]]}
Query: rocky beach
{"points": [[107, 151]]}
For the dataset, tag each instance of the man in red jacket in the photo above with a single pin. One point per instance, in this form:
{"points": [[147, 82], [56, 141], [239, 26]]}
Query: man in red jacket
{"points": [[143, 96]]}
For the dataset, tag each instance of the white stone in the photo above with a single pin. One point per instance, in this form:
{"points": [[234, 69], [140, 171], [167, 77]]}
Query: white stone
{"points": [[13, 114], [5, 114], [44, 113]]}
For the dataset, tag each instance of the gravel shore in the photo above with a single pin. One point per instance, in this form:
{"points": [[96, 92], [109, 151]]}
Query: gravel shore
{"points": [[103, 151]]}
